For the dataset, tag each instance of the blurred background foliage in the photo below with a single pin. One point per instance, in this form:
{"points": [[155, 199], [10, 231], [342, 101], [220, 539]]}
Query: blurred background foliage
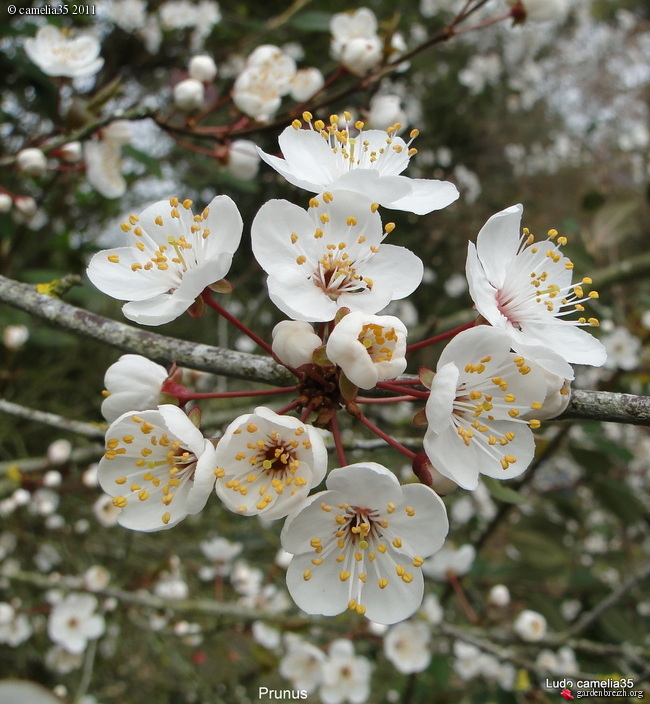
{"points": [[548, 115]]}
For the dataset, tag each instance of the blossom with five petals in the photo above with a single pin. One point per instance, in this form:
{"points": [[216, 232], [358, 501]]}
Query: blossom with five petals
{"points": [[525, 289], [268, 463], [158, 468], [478, 394], [175, 255], [361, 543], [369, 163], [331, 256], [58, 54]]}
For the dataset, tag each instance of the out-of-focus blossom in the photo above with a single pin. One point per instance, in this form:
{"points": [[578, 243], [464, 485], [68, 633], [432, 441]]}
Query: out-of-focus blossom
{"points": [[385, 111], [623, 349], [243, 161], [306, 83], [355, 42], [70, 152], [59, 451], [58, 54], [73, 622], [499, 595], [530, 626], [455, 561], [406, 645], [15, 628], [345, 675], [303, 665], [106, 512], [6, 202]]}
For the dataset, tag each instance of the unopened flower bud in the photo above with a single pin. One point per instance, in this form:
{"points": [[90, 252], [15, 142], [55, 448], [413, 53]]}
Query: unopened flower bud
{"points": [[71, 152], [5, 202], [499, 595], [243, 159], [59, 451], [294, 342], [202, 68], [32, 162], [189, 94], [15, 336]]}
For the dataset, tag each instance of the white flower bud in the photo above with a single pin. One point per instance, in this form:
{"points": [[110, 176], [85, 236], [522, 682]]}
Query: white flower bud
{"points": [[202, 68], [52, 478], [545, 10], [294, 342], [530, 626], [5, 202], [306, 83], [385, 111], [499, 595], [15, 336], [32, 161], [71, 152], [96, 578], [243, 159], [189, 95], [59, 451]]}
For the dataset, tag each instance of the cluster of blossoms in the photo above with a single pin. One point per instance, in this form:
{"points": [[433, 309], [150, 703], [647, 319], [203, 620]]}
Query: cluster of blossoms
{"points": [[361, 542]]}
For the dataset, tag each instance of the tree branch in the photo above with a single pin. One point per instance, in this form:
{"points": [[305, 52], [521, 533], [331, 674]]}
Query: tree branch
{"points": [[584, 405]]}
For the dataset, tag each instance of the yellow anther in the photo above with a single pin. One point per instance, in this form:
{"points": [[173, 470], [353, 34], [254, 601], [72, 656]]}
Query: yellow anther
{"points": [[125, 227], [187, 204], [534, 423], [296, 124], [306, 575], [390, 226], [344, 575], [307, 116], [114, 258], [383, 583]]}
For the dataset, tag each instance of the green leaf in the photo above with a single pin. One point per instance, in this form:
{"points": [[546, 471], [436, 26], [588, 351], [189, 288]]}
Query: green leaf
{"points": [[313, 21], [503, 493]]}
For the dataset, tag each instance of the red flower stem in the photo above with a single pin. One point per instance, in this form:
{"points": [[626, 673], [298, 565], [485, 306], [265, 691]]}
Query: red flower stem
{"points": [[391, 441], [334, 427], [453, 580], [306, 413], [287, 408], [414, 393], [392, 399], [440, 338], [207, 297], [189, 396]]}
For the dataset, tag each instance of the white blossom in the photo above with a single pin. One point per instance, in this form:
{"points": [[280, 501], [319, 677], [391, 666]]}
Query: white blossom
{"points": [[306, 83], [174, 256], [407, 646], [361, 543], [57, 54], [623, 349], [15, 336], [369, 162], [158, 468], [243, 161], [330, 256], [189, 94], [345, 675], [530, 626], [368, 348], [73, 622], [448, 561], [303, 665], [203, 68], [267, 464]]}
